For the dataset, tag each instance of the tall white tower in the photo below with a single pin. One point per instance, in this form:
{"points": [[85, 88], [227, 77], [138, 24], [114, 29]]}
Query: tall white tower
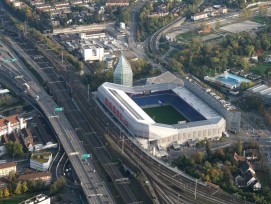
{"points": [[123, 73]]}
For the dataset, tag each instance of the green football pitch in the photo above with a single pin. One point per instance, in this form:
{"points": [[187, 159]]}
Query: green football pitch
{"points": [[165, 114]]}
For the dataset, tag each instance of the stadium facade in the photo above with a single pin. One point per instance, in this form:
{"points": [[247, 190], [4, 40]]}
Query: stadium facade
{"points": [[201, 121]]}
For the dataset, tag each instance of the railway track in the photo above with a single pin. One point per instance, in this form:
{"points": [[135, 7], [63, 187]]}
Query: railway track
{"points": [[61, 91]]}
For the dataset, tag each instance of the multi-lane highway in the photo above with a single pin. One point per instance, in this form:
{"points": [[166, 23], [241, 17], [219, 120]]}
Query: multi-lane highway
{"points": [[62, 91], [91, 183]]}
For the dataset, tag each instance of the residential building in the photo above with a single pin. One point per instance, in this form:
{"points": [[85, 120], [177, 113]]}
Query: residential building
{"points": [[27, 138], [92, 35], [6, 168], [11, 123], [123, 73], [93, 52], [44, 176], [39, 199], [248, 175], [199, 16], [117, 3], [41, 161], [157, 14]]}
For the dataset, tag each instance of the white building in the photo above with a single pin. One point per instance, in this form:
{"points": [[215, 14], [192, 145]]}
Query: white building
{"points": [[120, 101], [6, 168], [199, 16], [41, 161], [92, 35], [11, 123], [93, 52], [39, 199]]}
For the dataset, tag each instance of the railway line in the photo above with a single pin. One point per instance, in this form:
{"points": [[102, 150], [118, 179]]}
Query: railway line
{"points": [[203, 192], [151, 167], [60, 90]]}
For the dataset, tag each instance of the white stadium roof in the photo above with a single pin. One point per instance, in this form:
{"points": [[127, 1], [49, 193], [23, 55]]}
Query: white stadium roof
{"points": [[118, 92]]}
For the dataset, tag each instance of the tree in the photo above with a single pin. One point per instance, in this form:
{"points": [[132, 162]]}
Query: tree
{"points": [[1, 193], [14, 148], [208, 148], [6, 192], [53, 189], [18, 189], [239, 147], [24, 187], [11, 176], [198, 157]]}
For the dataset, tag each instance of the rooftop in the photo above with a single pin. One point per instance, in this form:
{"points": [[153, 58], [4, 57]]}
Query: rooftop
{"points": [[12, 119], [35, 175], [41, 157], [7, 165], [35, 199]]}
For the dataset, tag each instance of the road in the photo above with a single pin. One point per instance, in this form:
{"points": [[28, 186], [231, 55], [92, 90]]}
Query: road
{"points": [[64, 130], [63, 92]]}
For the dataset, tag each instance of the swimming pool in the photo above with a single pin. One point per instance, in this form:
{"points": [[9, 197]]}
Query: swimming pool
{"points": [[231, 80], [241, 79]]}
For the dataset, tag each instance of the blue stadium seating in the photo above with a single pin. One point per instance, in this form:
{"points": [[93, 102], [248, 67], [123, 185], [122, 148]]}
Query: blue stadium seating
{"points": [[168, 97]]}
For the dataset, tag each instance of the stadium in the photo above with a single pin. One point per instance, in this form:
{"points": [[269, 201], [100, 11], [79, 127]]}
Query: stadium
{"points": [[161, 113]]}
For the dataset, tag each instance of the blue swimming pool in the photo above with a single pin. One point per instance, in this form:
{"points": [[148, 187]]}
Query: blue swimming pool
{"points": [[241, 79], [231, 80]]}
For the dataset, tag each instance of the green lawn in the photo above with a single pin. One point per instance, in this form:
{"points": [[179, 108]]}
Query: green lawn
{"points": [[260, 19], [187, 36], [261, 68], [164, 114]]}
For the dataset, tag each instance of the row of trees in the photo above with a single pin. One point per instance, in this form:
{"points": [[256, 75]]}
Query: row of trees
{"points": [[38, 20], [16, 187]]}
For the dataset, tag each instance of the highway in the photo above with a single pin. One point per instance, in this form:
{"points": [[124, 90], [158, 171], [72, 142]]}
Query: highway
{"points": [[64, 130], [62, 91]]}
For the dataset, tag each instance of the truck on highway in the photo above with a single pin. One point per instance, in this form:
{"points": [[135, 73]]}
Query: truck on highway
{"points": [[26, 86]]}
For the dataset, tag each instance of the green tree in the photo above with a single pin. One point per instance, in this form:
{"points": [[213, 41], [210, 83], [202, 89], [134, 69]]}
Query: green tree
{"points": [[18, 189], [53, 189], [198, 157], [239, 147], [24, 187], [208, 148], [14, 149]]}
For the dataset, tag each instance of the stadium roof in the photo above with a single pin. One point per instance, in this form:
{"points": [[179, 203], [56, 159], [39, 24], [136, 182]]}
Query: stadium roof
{"points": [[166, 77], [119, 93]]}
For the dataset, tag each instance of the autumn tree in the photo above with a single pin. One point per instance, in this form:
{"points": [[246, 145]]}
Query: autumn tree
{"points": [[6, 192], [24, 187], [18, 189], [198, 157]]}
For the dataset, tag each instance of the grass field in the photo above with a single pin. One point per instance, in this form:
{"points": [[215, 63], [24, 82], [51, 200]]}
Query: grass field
{"points": [[165, 114], [260, 19], [261, 68]]}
